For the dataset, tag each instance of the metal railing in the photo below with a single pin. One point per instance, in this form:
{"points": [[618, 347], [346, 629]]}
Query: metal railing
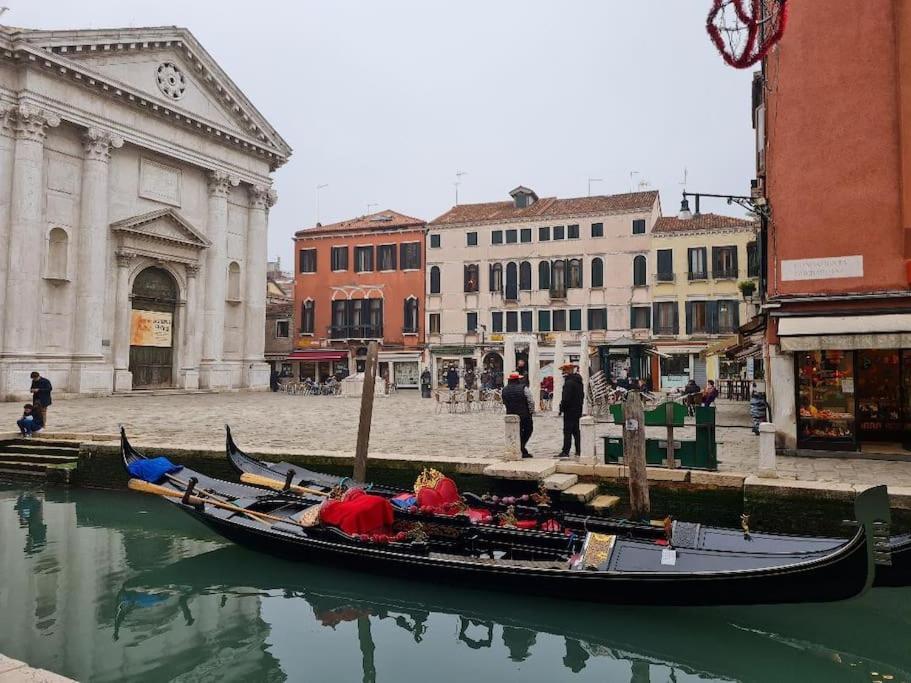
{"points": [[665, 277], [356, 332]]}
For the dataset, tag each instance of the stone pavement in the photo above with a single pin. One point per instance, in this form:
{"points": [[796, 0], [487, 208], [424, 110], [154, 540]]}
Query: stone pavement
{"points": [[14, 671], [403, 424]]}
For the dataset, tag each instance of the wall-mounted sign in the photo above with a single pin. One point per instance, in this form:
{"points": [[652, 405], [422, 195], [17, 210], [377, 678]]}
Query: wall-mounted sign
{"points": [[151, 328], [822, 268], [303, 343], [497, 337]]}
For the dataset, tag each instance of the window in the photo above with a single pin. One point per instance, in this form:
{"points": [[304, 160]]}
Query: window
{"points": [[558, 279], [572, 232], [471, 239], [233, 281], [558, 318], [512, 236], [558, 232], [434, 279], [525, 235], [665, 265], [639, 226], [544, 275], [307, 260], [339, 258], [512, 321], [728, 316], [411, 255], [410, 318], [282, 329], [575, 319], [698, 317], [597, 229], [526, 321], [471, 277], [543, 321], [640, 317], [57, 254], [496, 237], [375, 320], [696, 259], [664, 318], [752, 259], [512, 281], [434, 241], [575, 274], [525, 276], [385, 256], [471, 322], [434, 323], [363, 259], [496, 321], [597, 272], [339, 328], [307, 315], [597, 318], [544, 234], [496, 277], [724, 262], [639, 271]]}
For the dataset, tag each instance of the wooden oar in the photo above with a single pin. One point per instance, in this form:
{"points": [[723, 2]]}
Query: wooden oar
{"points": [[257, 480]]}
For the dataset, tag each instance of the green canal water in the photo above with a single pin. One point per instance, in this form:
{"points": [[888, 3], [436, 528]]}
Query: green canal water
{"points": [[105, 586]]}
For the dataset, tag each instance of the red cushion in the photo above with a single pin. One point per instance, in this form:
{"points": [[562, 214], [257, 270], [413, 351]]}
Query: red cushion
{"points": [[444, 493], [358, 513], [479, 515]]}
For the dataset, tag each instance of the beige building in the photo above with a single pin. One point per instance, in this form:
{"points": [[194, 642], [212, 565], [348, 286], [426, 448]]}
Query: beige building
{"points": [[135, 184], [696, 265], [546, 267]]}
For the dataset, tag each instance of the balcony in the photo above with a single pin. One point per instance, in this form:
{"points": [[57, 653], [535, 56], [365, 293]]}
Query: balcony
{"points": [[409, 329], [558, 293], [665, 331], [702, 275], [356, 332], [725, 274], [665, 277]]}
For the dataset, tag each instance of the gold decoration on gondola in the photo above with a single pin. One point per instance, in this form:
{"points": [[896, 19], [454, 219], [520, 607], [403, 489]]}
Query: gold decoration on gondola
{"points": [[336, 492], [509, 518], [428, 478], [541, 498]]}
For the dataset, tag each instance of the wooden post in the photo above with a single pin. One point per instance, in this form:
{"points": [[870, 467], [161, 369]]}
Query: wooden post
{"points": [[634, 455], [671, 460], [363, 425]]}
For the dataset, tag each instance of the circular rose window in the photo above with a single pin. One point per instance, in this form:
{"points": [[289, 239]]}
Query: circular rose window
{"points": [[171, 81]]}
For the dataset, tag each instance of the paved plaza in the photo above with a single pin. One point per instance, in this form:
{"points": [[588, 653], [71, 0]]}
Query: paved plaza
{"points": [[403, 424]]}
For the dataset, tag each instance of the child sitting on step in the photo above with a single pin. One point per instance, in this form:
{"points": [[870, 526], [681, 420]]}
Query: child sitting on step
{"points": [[30, 422]]}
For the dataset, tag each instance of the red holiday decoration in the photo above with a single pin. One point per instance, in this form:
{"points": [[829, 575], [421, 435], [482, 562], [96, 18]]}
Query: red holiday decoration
{"points": [[743, 37]]}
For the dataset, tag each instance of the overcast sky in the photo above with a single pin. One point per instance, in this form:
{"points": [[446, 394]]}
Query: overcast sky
{"points": [[384, 100]]}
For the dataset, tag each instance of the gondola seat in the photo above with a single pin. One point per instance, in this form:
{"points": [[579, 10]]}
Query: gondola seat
{"points": [[358, 513]]}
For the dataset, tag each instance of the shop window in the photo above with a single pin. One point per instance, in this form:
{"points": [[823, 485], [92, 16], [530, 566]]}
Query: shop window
{"points": [[525, 276], [471, 277], [496, 237], [639, 226], [639, 274], [434, 323], [57, 254], [724, 262], [471, 322], [525, 235], [675, 370], [544, 233], [558, 319], [411, 255], [640, 317], [363, 259], [496, 277], [512, 281], [597, 272], [664, 318], [543, 321], [385, 256], [597, 318], [697, 267], [597, 229], [471, 239], [233, 281], [410, 316], [752, 259], [559, 232], [825, 396], [526, 321], [282, 329], [308, 315], [512, 321], [512, 236], [434, 241], [575, 274], [307, 260], [496, 321], [339, 258], [434, 279], [544, 275]]}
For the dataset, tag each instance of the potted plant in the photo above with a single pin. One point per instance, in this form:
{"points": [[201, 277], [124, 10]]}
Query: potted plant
{"points": [[746, 287]]}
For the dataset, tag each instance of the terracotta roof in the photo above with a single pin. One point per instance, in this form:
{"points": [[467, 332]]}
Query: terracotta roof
{"points": [[382, 220], [546, 208], [703, 221]]}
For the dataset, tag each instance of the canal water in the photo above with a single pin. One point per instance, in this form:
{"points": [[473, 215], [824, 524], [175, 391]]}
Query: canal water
{"points": [[110, 586]]}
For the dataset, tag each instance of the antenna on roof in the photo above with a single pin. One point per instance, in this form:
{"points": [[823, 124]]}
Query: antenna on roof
{"points": [[685, 174], [631, 174], [369, 205], [318, 188], [458, 182], [593, 180]]}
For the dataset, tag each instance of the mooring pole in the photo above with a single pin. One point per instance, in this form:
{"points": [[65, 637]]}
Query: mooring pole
{"points": [[634, 455], [366, 417]]}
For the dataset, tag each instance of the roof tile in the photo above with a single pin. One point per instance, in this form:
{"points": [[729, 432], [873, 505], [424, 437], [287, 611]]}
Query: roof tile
{"points": [[702, 221], [382, 220]]}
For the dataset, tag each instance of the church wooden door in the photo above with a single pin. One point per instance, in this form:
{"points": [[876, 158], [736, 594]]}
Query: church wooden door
{"points": [[152, 329]]}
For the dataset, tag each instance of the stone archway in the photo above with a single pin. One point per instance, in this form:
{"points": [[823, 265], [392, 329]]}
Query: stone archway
{"points": [[155, 298]]}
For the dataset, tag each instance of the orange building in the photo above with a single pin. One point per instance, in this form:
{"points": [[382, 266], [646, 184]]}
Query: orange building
{"points": [[357, 281], [833, 119]]}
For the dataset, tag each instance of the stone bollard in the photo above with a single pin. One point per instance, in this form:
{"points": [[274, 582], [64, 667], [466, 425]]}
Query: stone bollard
{"points": [[767, 467], [513, 445], [587, 433]]}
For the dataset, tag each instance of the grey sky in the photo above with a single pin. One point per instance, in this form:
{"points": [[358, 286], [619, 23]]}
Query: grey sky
{"points": [[385, 100]]}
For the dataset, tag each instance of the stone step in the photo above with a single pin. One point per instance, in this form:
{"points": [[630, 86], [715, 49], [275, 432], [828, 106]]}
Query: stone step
{"points": [[40, 442], [21, 466], [38, 449], [560, 482], [21, 474], [603, 503], [19, 456], [581, 492]]}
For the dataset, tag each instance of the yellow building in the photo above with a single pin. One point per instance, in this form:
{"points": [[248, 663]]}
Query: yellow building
{"points": [[696, 266]]}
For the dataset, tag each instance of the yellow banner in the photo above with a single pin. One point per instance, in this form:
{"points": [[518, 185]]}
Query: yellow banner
{"points": [[151, 328]]}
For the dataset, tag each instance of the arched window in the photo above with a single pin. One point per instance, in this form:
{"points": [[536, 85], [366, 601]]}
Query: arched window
{"points": [[307, 316], [639, 271], [496, 277], [525, 276], [512, 281], [233, 281], [434, 279], [411, 315], [558, 279], [544, 275], [575, 274], [471, 277], [597, 272], [57, 254]]}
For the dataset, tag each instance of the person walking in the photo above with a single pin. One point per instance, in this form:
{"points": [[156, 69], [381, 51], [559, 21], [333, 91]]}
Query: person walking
{"points": [[571, 408], [517, 400], [452, 378], [41, 396]]}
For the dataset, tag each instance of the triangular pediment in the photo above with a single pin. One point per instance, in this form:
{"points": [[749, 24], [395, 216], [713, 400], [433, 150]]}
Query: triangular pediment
{"points": [[162, 225]]}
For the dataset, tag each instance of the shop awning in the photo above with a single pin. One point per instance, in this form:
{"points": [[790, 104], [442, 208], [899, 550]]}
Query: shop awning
{"points": [[800, 326], [318, 355]]}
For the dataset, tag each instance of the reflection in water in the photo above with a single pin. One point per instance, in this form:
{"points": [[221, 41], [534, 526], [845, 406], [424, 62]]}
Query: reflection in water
{"points": [[104, 586]]}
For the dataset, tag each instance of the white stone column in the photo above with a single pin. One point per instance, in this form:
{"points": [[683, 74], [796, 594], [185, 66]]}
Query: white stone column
{"points": [[768, 468], [7, 148], [534, 372], [588, 440], [509, 357], [123, 313], [584, 371], [27, 229], [559, 359], [257, 370], [512, 447], [212, 375], [189, 372]]}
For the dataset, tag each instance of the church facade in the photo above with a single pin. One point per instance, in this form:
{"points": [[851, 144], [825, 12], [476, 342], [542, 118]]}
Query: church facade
{"points": [[135, 186]]}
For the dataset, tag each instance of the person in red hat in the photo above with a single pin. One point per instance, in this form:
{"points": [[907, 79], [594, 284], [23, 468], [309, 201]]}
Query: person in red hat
{"points": [[517, 400]]}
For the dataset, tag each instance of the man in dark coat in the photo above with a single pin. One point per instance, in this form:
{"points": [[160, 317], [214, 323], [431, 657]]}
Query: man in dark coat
{"points": [[41, 396], [571, 408], [452, 378], [517, 400]]}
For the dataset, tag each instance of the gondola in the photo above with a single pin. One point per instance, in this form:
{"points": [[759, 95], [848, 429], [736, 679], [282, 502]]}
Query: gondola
{"points": [[898, 573], [596, 567]]}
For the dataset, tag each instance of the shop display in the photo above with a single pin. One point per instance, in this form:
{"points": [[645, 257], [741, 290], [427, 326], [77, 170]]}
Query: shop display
{"points": [[879, 407], [826, 397]]}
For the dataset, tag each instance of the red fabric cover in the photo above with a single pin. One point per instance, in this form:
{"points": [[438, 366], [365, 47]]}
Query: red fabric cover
{"points": [[479, 515], [526, 524], [444, 493], [358, 513]]}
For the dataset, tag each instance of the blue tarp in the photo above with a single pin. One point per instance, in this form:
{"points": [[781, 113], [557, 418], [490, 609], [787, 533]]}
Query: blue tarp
{"points": [[403, 502], [153, 469]]}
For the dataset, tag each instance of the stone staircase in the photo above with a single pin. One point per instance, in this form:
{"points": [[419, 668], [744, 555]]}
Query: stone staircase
{"points": [[38, 458]]}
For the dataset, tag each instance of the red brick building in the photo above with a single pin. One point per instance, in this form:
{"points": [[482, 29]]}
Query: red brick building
{"points": [[357, 281]]}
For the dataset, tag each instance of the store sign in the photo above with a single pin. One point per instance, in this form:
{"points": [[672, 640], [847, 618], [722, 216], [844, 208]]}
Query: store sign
{"points": [[151, 328], [822, 268], [303, 343], [496, 337]]}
